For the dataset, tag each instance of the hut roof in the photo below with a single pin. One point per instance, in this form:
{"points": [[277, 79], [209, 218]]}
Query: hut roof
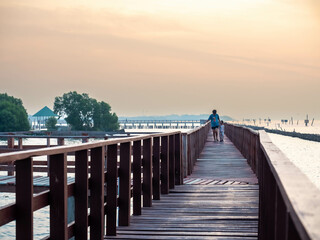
{"points": [[45, 112]]}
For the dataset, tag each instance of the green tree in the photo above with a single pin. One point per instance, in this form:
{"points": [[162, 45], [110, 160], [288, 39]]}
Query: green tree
{"points": [[51, 123], [84, 113], [13, 116]]}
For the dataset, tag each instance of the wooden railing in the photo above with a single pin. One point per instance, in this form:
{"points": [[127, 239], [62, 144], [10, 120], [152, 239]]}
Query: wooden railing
{"points": [[157, 159], [289, 204]]}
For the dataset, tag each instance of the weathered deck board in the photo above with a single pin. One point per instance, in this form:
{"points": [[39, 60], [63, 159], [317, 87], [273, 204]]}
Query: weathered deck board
{"points": [[218, 201]]}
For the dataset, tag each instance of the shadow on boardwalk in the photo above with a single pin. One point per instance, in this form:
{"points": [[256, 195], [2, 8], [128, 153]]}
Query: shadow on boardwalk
{"points": [[218, 201]]}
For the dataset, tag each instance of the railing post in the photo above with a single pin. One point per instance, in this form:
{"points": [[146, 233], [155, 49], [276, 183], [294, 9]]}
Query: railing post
{"points": [[48, 158], [292, 231], [184, 155], [156, 168], [171, 162], [60, 141], [281, 227], [136, 169], [20, 146], [147, 173], [24, 199], [58, 197], [261, 157], [178, 162], [164, 165], [189, 154], [11, 164], [112, 175], [125, 184], [81, 194], [97, 193]]}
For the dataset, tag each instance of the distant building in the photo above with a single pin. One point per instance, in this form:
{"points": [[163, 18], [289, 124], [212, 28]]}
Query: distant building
{"points": [[41, 116]]}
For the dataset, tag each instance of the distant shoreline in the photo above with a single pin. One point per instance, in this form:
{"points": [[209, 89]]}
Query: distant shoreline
{"points": [[306, 136]]}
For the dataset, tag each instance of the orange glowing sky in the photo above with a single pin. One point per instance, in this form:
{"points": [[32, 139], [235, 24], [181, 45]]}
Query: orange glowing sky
{"points": [[246, 58]]}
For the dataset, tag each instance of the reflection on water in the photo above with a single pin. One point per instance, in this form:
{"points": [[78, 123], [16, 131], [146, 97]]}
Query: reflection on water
{"points": [[40, 223]]}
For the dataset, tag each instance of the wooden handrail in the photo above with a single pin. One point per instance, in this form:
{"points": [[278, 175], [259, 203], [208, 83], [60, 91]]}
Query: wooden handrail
{"points": [[9, 157], [288, 202]]}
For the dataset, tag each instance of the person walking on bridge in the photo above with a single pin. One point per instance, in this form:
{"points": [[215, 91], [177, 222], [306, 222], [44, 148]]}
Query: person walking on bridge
{"points": [[215, 120]]}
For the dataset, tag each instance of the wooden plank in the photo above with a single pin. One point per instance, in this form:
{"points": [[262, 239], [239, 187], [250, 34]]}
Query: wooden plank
{"points": [[97, 193], [164, 165], [178, 160], [112, 173], [136, 170], [81, 194], [156, 169], [125, 184], [147, 173], [171, 162], [24, 199], [58, 197]]}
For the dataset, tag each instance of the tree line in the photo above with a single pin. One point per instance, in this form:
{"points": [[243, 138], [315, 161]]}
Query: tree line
{"points": [[80, 111]]}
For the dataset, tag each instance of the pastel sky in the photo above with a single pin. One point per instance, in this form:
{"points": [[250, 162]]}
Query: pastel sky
{"points": [[245, 58]]}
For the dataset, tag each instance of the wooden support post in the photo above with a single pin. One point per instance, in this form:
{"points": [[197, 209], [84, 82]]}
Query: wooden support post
{"points": [[112, 175], [178, 160], [10, 142], [189, 154], [147, 173], [58, 197], [60, 141], [156, 168], [281, 217], [97, 193], [164, 165], [11, 146], [171, 162], [24, 199], [136, 169], [20, 146], [48, 158], [184, 155], [292, 230], [81, 194], [125, 184]]}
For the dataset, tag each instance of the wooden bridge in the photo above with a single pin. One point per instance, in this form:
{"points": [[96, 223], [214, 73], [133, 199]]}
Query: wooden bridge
{"points": [[154, 124], [168, 186]]}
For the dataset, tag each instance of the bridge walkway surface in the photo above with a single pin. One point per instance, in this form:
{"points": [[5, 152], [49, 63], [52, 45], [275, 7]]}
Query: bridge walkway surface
{"points": [[219, 200]]}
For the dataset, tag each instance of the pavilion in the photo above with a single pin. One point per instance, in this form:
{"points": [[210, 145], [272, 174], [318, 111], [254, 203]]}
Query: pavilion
{"points": [[42, 115]]}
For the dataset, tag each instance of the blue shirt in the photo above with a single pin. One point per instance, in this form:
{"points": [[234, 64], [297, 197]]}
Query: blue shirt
{"points": [[214, 120]]}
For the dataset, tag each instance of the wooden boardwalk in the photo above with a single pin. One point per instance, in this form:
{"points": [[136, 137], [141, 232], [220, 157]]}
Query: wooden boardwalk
{"points": [[218, 201]]}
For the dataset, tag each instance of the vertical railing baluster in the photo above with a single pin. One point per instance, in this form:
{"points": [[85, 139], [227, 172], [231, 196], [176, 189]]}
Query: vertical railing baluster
{"points": [[125, 184], [156, 168], [292, 230], [178, 160], [164, 165], [136, 170], [281, 217], [112, 175], [171, 162], [58, 197], [147, 173], [11, 164], [184, 155], [81, 194], [97, 193], [189, 152], [24, 199]]}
